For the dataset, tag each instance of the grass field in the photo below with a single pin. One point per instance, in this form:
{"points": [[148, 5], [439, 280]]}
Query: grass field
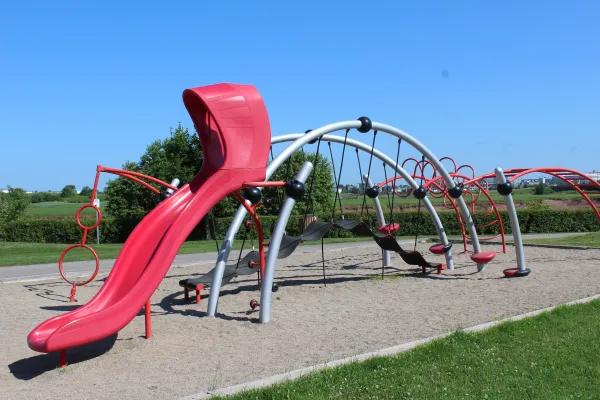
{"points": [[42, 253], [588, 239], [54, 208], [58, 208], [519, 195], [552, 356]]}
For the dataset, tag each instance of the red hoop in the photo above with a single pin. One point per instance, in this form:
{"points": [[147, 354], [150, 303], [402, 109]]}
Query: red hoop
{"points": [[62, 257], [78, 217]]}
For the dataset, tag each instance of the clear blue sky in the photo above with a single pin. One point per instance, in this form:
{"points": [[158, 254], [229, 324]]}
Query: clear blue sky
{"points": [[87, 83]]}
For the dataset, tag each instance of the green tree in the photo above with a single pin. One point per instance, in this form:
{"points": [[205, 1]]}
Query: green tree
{"points": [[178, 156], [12, 205], [68, 191], [86, 191], [318, 200]]}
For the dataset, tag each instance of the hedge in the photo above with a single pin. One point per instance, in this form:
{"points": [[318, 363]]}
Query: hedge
{"points": [[117, 231]]}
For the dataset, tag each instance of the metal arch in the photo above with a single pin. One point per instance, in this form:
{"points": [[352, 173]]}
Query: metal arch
{"points": [[442, 170], [303, 139], [392, 164], [516, 173]]}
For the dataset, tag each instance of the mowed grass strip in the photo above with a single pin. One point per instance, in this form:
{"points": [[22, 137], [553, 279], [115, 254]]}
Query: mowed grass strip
{"points": [[59, 208], [18, 253], [551, 356], [588, 240]]}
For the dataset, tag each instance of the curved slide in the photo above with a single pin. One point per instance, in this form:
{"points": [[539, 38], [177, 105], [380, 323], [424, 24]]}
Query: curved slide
{"points": [[233, 126]]}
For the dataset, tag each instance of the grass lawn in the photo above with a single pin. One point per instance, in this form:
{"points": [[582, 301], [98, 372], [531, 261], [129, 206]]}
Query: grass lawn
{"points": [[519, 195], [587, 239], [59, 208], [552, 356], [42, 253]]}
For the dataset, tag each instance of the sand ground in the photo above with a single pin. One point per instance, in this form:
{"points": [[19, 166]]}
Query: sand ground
{"points": [[357, 312]]}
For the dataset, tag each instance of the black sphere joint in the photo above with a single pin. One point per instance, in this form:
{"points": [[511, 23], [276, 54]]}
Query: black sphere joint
{"points": [[373, 192], [163, 195], [456, 191], [275, 287], [268, 202], [294, 189], [366, 124], [312, 141], [505, 188], [420, 193], [252, 194]]}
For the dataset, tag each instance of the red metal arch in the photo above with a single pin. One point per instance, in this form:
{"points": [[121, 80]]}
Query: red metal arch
{"points": [[566, 175], [432, 182]]}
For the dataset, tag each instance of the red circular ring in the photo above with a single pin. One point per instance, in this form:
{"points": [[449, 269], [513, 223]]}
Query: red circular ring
{"points": [[62, 257], [78, 217]]}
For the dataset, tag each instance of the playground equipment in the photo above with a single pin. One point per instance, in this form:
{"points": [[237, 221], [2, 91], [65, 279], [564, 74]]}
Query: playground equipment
{"points": [[233, 126], [575, 179]]}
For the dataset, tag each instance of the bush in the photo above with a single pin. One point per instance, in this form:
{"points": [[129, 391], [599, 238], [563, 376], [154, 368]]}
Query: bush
{"points": [[114, 230], [42, 197]]}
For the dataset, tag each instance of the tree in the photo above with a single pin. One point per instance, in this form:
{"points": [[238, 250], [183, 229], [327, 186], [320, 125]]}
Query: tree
{"points": [[178, 156], [318, 200], [86, 191], [13, 204], [68, 191]]}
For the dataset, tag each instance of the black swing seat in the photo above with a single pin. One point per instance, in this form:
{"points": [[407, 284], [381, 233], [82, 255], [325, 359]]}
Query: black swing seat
{"points": [[248, 265], [388, 242], [316, 230]]}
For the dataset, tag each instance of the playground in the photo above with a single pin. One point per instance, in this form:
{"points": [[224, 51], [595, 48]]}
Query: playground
{"points": [[357, 312], [176, 331]]}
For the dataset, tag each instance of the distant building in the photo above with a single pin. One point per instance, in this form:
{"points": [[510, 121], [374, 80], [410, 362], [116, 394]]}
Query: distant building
{"points": [[595, 175]]}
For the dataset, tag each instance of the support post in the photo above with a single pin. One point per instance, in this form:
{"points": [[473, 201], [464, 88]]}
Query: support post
{"points": [[62, 359], [148, 319], [278, 232], [514, 222], [386, 262]]}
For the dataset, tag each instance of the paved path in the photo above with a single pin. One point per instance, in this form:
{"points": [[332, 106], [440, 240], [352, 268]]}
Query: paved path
{"points": [[24, 273]]}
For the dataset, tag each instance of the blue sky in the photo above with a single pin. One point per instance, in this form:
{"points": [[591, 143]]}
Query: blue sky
{"points": [[87, 83]]}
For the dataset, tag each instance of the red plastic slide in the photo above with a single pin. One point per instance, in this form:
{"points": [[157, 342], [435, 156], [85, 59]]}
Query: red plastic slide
{"points": [[234, 130]]}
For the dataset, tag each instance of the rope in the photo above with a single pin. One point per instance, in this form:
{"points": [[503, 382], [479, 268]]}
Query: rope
{"points": [[323, 258], [364, 189], [394, 182], [388, 192], [212, 219], [279, 196], [241, 250], [336, 181], [310, 187], [419, 210]]}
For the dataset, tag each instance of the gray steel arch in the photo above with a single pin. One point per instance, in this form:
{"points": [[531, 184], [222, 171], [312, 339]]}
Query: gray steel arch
{"points": [[301, 141]]}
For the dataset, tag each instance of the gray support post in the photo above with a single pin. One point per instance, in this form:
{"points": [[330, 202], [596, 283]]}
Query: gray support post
{"points": [[274, 244], [215, 287], [386, 262], [441, 231], [514, 221]]}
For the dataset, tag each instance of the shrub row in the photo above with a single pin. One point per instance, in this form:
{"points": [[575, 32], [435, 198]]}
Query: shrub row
{"points": [[117, 230]]}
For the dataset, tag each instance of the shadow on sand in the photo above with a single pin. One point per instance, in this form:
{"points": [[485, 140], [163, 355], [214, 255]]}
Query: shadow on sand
{"points": [[32, 367]]}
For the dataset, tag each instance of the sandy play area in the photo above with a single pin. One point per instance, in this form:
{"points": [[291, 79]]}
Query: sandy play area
{"points": [[357, 312]]}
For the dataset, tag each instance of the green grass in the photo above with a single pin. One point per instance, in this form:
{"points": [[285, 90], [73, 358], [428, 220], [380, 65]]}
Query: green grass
{"points": [[587, 239], [519, 196], [58, 208], [42, 253], [552, 356]]}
